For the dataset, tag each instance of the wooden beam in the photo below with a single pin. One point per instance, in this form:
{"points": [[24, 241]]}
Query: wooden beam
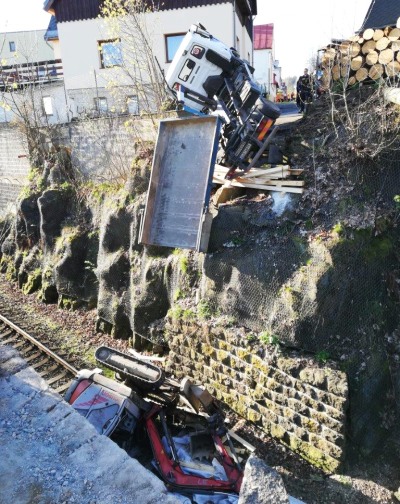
{"points": [[263, 187]]}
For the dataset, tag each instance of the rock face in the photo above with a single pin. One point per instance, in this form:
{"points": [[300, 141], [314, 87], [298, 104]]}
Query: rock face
{"points": [[261, 484], [53, 209], [74, 273], [28, 221], [280, 272]]}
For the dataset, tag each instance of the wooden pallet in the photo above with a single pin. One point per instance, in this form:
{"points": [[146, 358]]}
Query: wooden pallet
{"points": [[277, 178]]}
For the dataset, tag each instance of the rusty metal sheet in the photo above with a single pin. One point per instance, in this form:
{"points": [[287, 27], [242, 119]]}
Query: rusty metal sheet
{"points": [[181, 178]]}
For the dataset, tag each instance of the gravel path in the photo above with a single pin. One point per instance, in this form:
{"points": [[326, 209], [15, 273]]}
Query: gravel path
{"points": [[364, 481]]}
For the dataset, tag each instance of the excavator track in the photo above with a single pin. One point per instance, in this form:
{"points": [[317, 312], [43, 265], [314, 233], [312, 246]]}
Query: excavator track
{"points": [[57, 372]]}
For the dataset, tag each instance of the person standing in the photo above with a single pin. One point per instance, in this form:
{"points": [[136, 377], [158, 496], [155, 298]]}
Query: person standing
{"points": [[304, 90]]}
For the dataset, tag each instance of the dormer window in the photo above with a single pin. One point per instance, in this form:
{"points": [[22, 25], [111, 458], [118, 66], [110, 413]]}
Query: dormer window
{"points": [[12, 46]]}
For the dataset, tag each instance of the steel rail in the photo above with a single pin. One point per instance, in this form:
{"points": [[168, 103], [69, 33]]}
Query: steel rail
{"points": [[40, 345]]}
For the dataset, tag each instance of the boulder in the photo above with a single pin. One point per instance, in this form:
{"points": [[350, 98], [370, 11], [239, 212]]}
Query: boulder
{"points": [[53, 210], [28, 221], [261, 484]]}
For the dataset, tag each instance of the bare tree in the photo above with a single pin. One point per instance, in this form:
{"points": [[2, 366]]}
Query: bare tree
{"points": [[22, 91], [132, 22]]}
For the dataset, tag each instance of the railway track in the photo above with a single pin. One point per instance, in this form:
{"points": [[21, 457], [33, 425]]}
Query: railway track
{"points": [[51, 367]]}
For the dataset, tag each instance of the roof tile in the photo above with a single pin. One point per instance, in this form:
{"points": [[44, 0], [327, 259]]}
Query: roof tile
{"points": [[381, 13]]}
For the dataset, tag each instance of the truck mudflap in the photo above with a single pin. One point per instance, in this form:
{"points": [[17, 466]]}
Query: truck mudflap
{"points": [[144, 375]]}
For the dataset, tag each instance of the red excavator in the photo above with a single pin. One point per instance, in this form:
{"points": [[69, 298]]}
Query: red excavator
{"points": [[192, 451]]}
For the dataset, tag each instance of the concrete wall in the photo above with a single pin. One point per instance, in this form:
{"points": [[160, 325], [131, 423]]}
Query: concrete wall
{"points": [[102, 149], [14, 166], [264, 70], [290, 397], [105, 148], [33, 98]]}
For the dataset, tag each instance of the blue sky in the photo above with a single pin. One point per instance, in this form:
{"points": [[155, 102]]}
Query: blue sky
{"points": [[301, 27]]}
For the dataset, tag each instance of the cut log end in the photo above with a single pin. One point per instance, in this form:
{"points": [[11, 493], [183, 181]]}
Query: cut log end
{"points": [[354, 49], [371, 58], [376, 71], [352, 80], [368, 47], [382, 43], [393, 69], [378, 34], [394, 34], [386, 56], [361, 74], [368, 34], [356, 63]]}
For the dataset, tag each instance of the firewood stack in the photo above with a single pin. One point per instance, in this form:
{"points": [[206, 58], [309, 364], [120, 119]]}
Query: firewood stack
{"points": [[371, 55]]}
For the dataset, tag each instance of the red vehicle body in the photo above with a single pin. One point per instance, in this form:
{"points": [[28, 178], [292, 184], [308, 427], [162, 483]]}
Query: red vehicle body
{"points": [[118, 410]]}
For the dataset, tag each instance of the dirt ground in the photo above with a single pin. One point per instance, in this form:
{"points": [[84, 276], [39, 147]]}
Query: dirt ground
{"points": [[364, 480]]}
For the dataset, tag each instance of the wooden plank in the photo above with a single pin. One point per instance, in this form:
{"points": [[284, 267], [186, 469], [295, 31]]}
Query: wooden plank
{"points": [[264, 173], [275, 169], [291, 183], [226, 193], [281, 173], [63, 387], [263, 187], [260, 176], [242, 441]]}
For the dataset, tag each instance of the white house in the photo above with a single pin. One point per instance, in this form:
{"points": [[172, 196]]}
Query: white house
{"points": [[21, 47], [264, 59], [91, 56], [30, 74]]}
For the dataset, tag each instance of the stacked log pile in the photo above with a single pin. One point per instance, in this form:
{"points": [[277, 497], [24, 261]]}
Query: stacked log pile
{"points": [[371, 55]]}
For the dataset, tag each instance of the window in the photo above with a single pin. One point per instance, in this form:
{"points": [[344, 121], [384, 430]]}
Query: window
{"points": [[172, 43], [133, 105], [110, 53], [187, 70], [101, 105], [12, 46], [48, 105], [41, 72]]}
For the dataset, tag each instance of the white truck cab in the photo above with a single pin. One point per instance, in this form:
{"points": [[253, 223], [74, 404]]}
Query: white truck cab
{"points": [[197, 67]]}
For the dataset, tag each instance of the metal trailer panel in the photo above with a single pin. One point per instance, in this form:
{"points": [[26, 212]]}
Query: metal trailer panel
{"points": [[180, 184]]}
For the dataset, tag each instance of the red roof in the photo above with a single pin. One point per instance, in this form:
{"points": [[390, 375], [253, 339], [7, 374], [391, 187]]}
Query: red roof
{"points": [[263, 36]]}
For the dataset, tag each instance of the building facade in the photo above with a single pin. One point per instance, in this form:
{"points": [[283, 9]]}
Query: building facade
{"points": [[95, 59], [266, 67]]}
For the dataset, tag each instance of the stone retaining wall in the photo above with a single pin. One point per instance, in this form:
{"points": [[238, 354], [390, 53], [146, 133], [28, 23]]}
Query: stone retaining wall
{"points": [[14, 166], [101, 149], [290, 397]]}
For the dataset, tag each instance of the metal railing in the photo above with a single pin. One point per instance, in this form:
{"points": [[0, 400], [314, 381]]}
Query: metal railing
{"points": [[19, 75]]}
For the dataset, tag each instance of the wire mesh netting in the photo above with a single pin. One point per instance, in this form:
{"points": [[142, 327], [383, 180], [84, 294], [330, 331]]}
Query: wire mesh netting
{"points": [[326, 289]]}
